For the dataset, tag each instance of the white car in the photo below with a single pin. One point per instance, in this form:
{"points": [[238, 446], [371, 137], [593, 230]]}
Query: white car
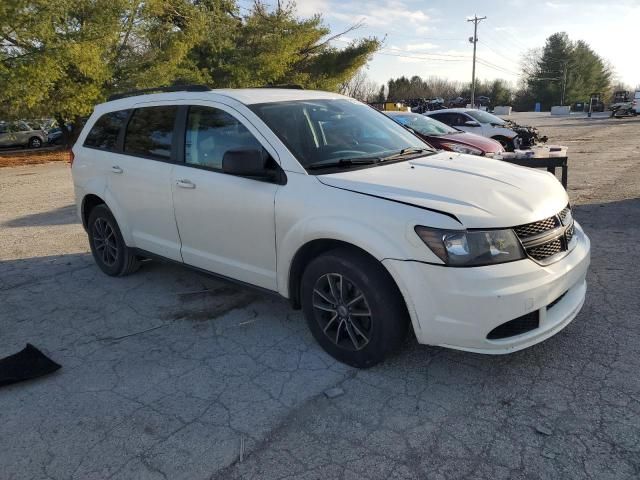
{"points": [[333, 205], [478, 122]]}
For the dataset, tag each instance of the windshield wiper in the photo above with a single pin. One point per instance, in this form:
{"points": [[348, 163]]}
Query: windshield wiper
{"points": [[344, 162], [408, 151]]}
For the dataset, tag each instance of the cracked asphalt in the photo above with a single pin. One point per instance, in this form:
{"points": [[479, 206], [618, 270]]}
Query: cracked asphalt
{"points": [[170, 374]]}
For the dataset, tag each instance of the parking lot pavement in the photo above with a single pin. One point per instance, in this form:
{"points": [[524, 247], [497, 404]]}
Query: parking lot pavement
{"points": [[172, 374]]}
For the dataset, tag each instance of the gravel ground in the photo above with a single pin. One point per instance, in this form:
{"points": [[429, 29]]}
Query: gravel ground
{"points": [[172, 374]]}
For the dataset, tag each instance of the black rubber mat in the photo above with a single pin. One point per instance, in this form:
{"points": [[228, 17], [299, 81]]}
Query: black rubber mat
{"points": [[26, 364]]}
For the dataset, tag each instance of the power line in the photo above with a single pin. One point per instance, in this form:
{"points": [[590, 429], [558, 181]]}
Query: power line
{"points": [[419, 58], [428, 53], [496, 67], [513, 39], [499, 54]]}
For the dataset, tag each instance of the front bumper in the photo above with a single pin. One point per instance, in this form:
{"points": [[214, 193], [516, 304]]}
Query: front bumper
{"points": [[458, 307]]}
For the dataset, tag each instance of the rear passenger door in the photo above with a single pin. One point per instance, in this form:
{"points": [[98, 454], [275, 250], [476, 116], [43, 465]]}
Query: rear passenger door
{"points": [[226, 222], [140, 180]]}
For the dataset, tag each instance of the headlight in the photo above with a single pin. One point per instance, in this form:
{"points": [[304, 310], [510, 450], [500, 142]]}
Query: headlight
{"points": [[461, 248], [456, 147]]}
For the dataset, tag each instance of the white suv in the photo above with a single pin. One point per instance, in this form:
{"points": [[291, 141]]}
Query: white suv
{"points": [[336, 207]]}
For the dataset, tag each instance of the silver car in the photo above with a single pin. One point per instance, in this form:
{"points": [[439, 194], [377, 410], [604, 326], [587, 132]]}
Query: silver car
{"points": [[20, 134]]}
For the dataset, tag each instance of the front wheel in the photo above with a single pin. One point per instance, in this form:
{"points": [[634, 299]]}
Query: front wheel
{"points": [[506, 143], [109, 251], [35, 142], [353, 307]]}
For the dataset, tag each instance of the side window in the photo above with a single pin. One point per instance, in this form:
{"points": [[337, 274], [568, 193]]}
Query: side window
{"points": [[212, 132], [150, 132], [462, 119], [104, 133], [443, 117]]}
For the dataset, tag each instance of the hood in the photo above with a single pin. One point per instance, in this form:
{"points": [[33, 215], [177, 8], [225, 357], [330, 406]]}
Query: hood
{"points": [[487, 145], [480, 192]]}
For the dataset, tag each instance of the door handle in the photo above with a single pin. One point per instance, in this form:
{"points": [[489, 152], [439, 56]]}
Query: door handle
{"points": [[184, 183], [116, 169]]}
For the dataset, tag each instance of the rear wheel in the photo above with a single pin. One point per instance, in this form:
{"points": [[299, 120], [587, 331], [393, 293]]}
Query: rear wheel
{"points": [[353, 308], [109, 251]]}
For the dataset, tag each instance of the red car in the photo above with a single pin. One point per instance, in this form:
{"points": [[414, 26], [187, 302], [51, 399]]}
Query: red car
{"points": [[444, 137]]}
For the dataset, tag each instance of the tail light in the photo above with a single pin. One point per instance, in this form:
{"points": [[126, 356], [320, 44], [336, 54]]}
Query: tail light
{"points": [[71, 158]]}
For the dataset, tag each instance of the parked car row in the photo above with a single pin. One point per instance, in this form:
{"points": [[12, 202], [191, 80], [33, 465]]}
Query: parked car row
{"points": [[479, 126], [327, 202], [31, 134], [21, 134], [444, 137]]}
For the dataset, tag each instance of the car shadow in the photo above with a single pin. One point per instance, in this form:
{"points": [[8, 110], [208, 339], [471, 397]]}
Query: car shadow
{"points": [[60, 216]]}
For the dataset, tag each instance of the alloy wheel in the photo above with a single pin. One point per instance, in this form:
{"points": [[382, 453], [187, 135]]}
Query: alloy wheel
{"points": [[342, 311], [104, 240]]}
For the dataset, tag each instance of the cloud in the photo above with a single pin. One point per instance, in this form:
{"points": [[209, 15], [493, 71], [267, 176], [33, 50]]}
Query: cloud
{"points": [[412, 47], [556, 5], [383, 14], [308, 8]]}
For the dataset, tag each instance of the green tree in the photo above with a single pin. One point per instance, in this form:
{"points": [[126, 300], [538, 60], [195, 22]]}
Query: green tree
{"points": [[565, 72], [61, 58], [268, 47]]}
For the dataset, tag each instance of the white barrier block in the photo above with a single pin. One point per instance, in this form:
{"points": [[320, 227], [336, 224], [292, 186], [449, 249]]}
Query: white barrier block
{"points": [[558, 110], [502, 110]]}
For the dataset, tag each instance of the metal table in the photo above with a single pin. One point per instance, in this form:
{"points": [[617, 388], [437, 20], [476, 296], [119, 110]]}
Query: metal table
{"points": [[550, 164]]}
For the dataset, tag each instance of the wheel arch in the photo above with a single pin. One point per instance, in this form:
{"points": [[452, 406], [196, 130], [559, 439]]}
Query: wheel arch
{"points": [[89, 202], [311, 250], [506, 142]]}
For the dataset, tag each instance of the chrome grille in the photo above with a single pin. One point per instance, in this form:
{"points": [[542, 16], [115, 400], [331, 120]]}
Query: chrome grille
{"points": [[569, 233], [545, 250], [546, 238], [535, 228]]}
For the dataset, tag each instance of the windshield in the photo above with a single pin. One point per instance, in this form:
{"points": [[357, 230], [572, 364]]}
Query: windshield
{"points": [[424, 125], [484, 117], [327, 131]]}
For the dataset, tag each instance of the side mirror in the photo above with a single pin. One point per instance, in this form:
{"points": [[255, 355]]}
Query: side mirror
{"points": [[471, 123], [246, 162]]}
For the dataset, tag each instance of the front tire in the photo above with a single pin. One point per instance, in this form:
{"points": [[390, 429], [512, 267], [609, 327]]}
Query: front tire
{"points": [[506, 143], [109, 251], [353, 307], [35, 142]]}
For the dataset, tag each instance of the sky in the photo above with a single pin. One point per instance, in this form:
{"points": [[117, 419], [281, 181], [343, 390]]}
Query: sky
{"points": [[430, 37]]}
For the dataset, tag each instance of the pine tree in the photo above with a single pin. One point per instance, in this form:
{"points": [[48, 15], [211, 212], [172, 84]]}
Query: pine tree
{"points": [[566, 72]]}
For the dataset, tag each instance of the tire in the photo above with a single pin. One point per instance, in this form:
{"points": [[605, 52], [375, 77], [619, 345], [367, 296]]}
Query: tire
{"points": [[112, 256], [363, 340], [35, 142], [505, 142]]}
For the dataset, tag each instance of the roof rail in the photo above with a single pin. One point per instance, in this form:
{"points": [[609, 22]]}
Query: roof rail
{"points": [[292, 86], [171, 88]]}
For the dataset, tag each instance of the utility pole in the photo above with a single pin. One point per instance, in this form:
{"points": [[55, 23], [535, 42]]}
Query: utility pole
{"points": [[564, 82], [476, 20]]}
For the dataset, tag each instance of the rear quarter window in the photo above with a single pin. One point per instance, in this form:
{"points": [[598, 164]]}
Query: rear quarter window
{"points": [[150, 132], [104, 133]]}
